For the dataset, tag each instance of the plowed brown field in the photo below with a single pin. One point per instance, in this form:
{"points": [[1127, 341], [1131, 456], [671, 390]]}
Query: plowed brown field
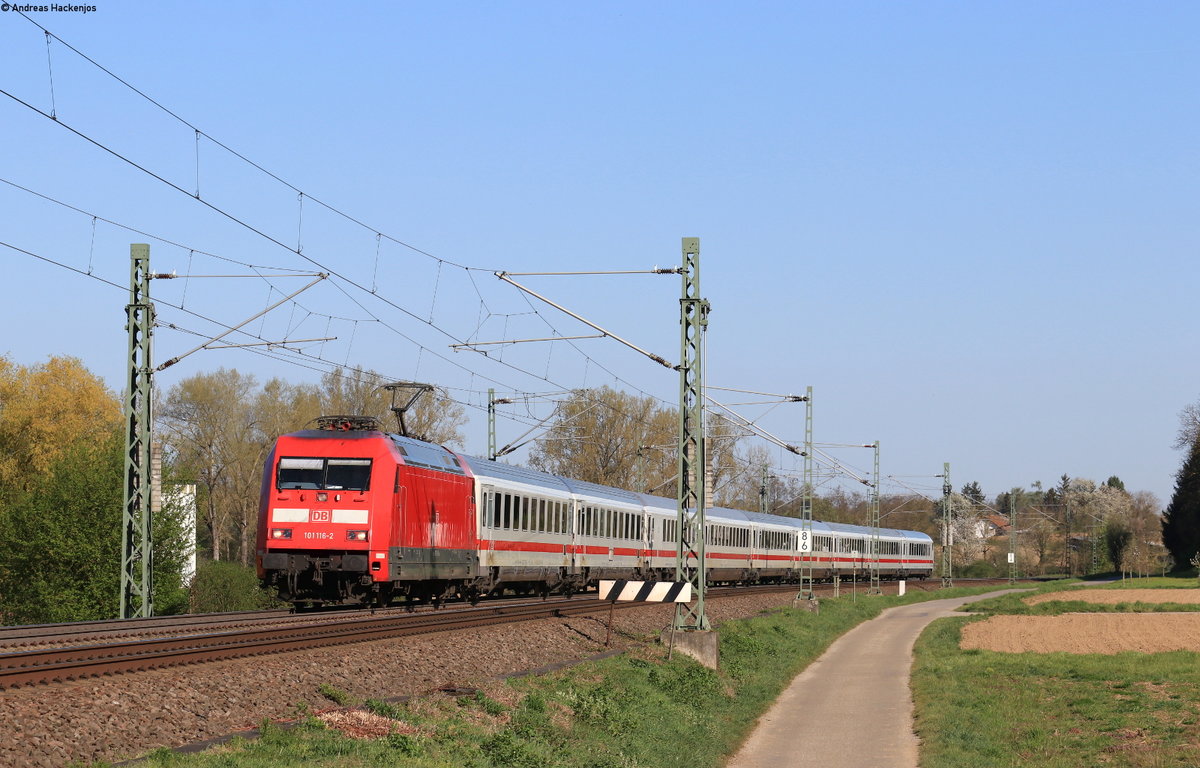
{"points": [[1093, 632]]}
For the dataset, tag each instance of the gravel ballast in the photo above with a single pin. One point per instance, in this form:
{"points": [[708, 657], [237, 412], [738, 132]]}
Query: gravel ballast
{"points": [[116, 718]]}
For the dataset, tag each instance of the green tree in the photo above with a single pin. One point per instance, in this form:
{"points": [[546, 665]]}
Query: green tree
{"points": [[1117, 536], [1145, 524], [212, 430], [1181, 520], [62, 540], [612, 438], [44, 410], [628, 441], [973, 492]]}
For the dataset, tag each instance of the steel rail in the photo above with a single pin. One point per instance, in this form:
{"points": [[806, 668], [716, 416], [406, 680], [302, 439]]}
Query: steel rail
{"points": [[62, 664]]}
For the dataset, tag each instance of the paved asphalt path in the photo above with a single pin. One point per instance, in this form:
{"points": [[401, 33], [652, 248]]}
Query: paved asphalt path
{"points": [[852, 707]]}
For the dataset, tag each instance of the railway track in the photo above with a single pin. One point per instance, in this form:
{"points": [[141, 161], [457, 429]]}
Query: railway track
{"points": [[213, 637], [61, 664], [94, 632]]}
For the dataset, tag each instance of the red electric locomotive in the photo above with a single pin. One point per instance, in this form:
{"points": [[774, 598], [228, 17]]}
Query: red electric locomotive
{"points": [[351, 514]]}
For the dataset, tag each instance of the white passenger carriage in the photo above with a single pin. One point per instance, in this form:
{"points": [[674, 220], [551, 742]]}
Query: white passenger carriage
{"points": [[542, 532]]}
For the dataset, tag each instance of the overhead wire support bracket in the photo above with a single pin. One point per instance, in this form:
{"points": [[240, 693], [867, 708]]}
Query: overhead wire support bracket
{"points": [[283, 343], [785, 398], [655, 271], [656, 358], [173, 275], [320, 276], [525, 341], [755, 428], [516, 444]]}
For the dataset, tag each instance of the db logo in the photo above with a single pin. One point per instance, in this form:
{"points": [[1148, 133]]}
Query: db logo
{"points": [[322, 515]]}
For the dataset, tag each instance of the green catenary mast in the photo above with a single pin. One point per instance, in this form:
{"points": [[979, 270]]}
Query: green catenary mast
{"points": [[947, 528], [691, 499], [136, 550], [806, 506], [876, 588]]}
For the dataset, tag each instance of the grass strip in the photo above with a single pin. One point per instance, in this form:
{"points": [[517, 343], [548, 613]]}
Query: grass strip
{"points": [[636, 710]]}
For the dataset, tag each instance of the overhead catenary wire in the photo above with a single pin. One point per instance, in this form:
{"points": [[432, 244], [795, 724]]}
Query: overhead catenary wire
{"points": [[330, 271], [298, 250], [197, 133]]}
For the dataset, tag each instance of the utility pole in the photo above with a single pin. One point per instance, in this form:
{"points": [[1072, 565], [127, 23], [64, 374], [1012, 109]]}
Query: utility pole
{"points": [[690, 563], [1068, 555], [947, 528], [764, 501], [873, 564], [492, 423], [137, 553], [1012, 539], [806, 506]]}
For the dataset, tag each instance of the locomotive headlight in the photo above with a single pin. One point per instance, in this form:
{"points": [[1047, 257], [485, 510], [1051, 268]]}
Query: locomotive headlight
{"points": [[281, 533], [356, 535]]}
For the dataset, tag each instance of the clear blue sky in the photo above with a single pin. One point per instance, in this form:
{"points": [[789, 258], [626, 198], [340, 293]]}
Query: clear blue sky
{"points": [[971, 227]]}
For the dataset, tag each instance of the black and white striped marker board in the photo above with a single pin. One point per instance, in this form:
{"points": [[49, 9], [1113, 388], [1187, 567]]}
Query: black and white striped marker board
{"points": [[646, 591]]}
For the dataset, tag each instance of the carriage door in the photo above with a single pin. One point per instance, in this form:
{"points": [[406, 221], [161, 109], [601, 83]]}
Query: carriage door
{"points": [[488, 522], [573, 505]]}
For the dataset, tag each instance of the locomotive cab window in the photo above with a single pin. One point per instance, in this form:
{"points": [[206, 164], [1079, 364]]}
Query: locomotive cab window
{"points": [[324, 474]]}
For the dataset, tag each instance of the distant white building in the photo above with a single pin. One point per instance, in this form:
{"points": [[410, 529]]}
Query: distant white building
{"points": [[183, 498]]}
